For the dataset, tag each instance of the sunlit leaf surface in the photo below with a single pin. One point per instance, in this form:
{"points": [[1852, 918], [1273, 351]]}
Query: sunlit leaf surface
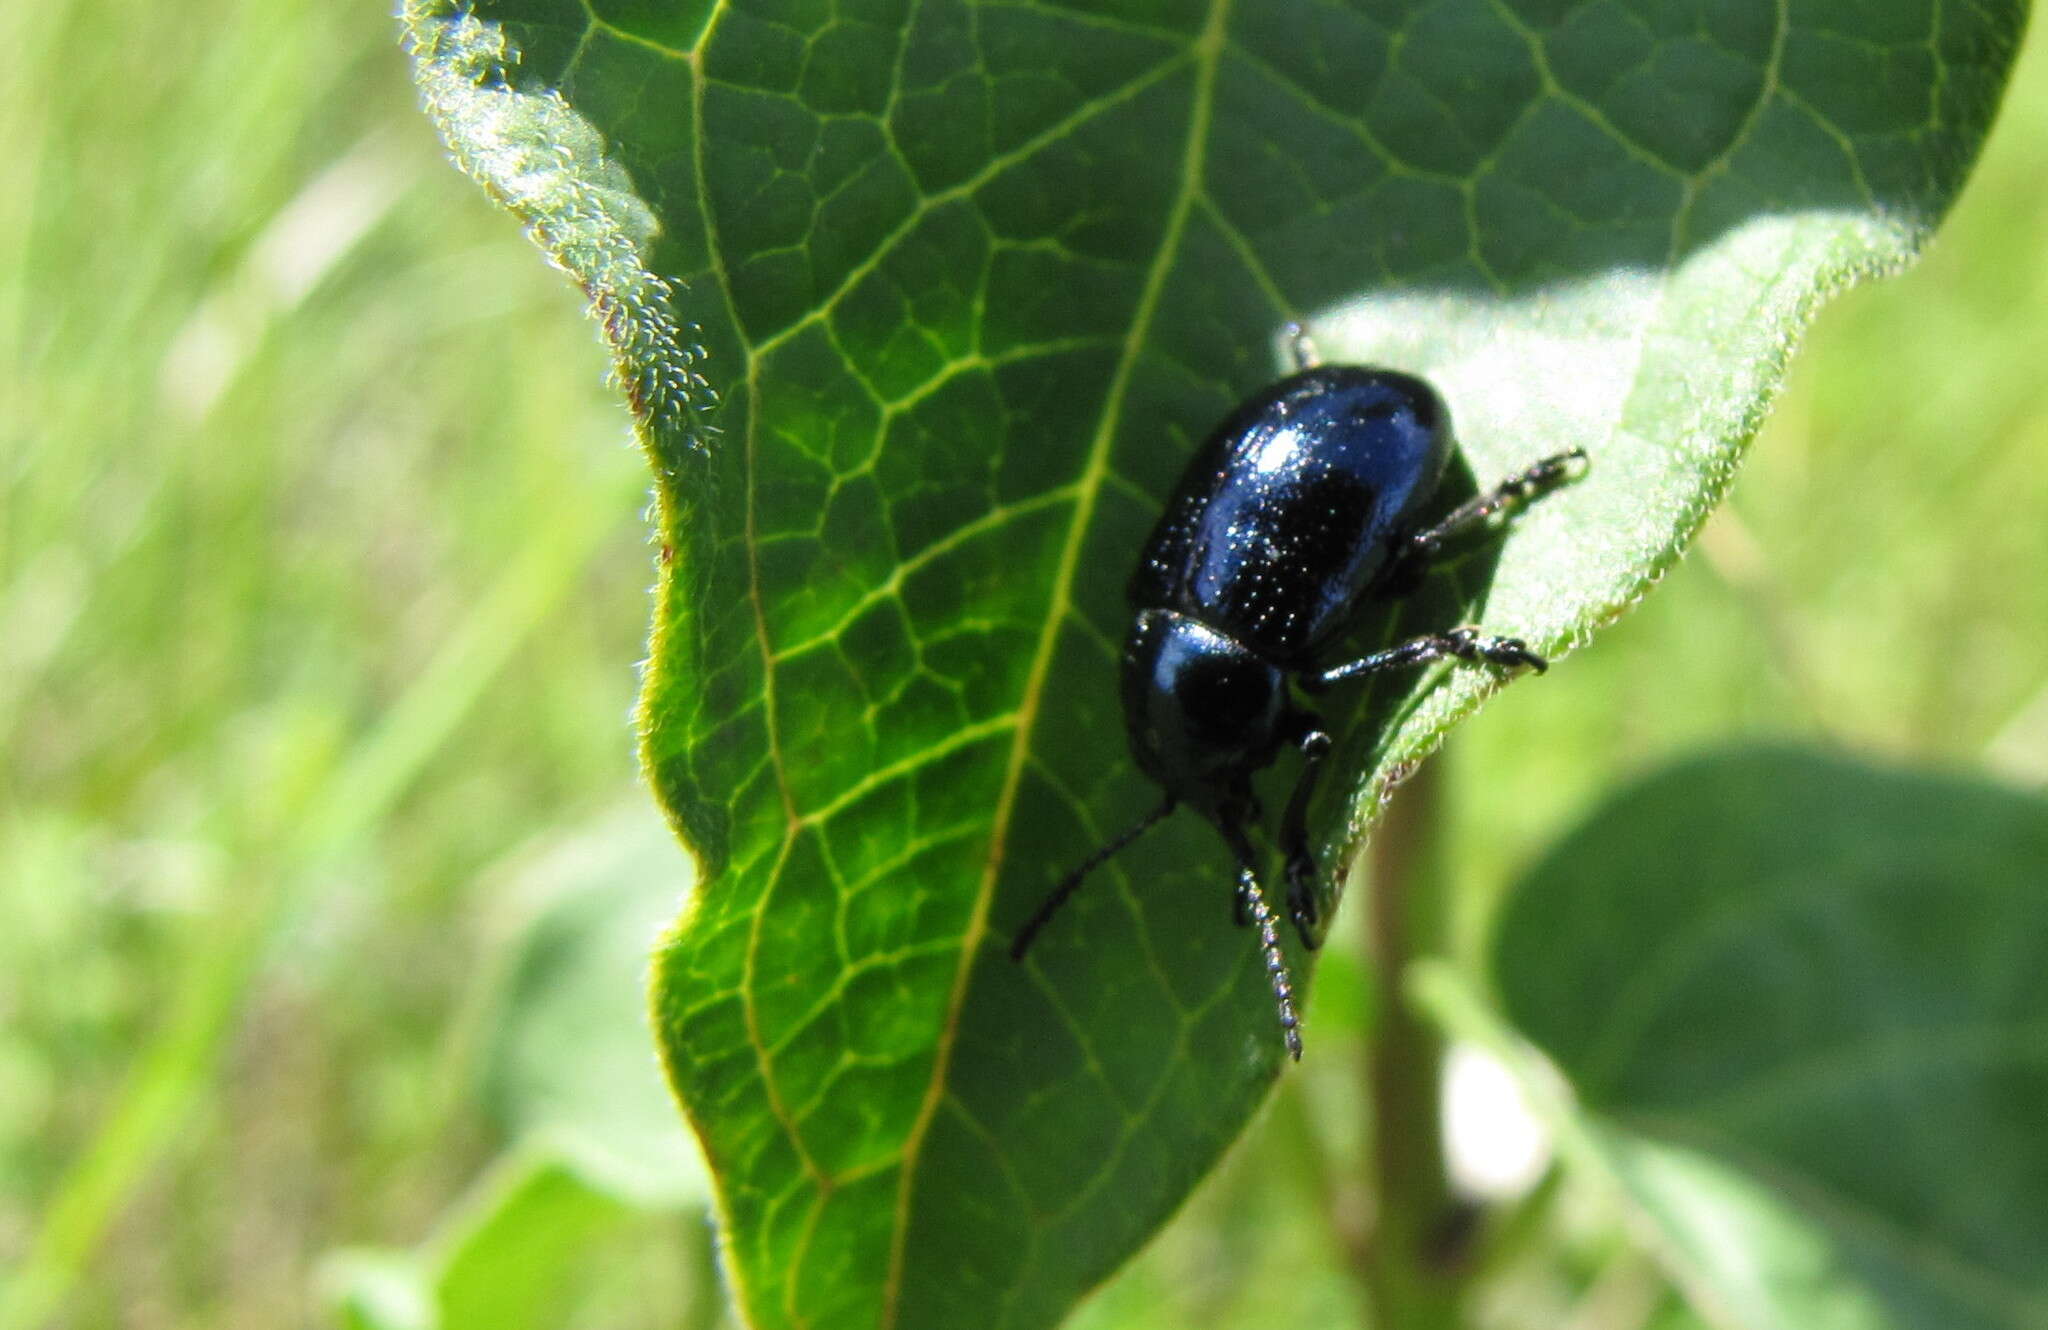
{"points": [[971, 280]]}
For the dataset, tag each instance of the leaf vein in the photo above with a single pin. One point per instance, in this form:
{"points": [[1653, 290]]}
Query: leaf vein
{"points": [[1205, 54]]}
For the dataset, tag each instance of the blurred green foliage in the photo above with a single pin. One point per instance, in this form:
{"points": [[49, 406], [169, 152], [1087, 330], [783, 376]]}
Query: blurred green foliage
{"points": [[322, 577], [1798, 1000]]}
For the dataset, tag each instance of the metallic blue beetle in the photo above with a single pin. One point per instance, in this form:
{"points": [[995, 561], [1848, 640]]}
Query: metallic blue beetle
{"points": [[1305, 504]]}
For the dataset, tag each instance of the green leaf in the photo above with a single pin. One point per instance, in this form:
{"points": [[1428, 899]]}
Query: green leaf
{"points": [[508, 1259], [599, 1159], [1799, 1003], [972, 279], [567, 1060]]}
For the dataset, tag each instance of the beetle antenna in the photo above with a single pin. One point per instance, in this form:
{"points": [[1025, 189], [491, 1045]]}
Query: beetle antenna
{"points": [[1276, 960], [1071, 883]]}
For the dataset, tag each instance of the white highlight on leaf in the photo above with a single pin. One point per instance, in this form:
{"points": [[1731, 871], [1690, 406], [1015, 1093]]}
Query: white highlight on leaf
{"points": [[1661, 374], [545, 162]]}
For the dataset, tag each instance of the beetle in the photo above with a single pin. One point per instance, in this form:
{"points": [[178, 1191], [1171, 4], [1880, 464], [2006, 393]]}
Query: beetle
{"points": [[1307, 504]]}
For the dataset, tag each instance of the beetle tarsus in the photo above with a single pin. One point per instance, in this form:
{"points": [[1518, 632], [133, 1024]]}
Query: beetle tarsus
{"points": [[1506, 652], [1468, 644]]}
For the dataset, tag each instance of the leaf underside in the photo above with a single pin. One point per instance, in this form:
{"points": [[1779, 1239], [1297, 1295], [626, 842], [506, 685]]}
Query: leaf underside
{"points": [[971, 280], [1799, 1001]]}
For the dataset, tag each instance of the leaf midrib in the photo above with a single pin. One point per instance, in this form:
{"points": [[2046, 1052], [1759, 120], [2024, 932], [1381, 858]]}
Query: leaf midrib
{"points": [[1207, 50]]}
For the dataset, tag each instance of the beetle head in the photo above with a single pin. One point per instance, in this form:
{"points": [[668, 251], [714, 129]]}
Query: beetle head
{"points": [[1204, 711]]}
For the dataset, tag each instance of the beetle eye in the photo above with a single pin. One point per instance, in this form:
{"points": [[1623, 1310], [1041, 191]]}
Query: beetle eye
{"points": [[1229, 703]]}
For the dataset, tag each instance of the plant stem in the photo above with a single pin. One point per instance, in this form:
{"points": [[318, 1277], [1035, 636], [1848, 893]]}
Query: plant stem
{"points": [[1414, 1275]]}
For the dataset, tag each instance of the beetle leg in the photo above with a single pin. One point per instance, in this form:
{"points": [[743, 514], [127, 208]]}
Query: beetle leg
{"points": [[1302, 878], [1460, 644], [1424, 546], [1232, 817]]}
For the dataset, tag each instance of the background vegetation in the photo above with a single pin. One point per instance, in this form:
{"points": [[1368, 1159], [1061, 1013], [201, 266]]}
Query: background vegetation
{"points": [[322, 577]]}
